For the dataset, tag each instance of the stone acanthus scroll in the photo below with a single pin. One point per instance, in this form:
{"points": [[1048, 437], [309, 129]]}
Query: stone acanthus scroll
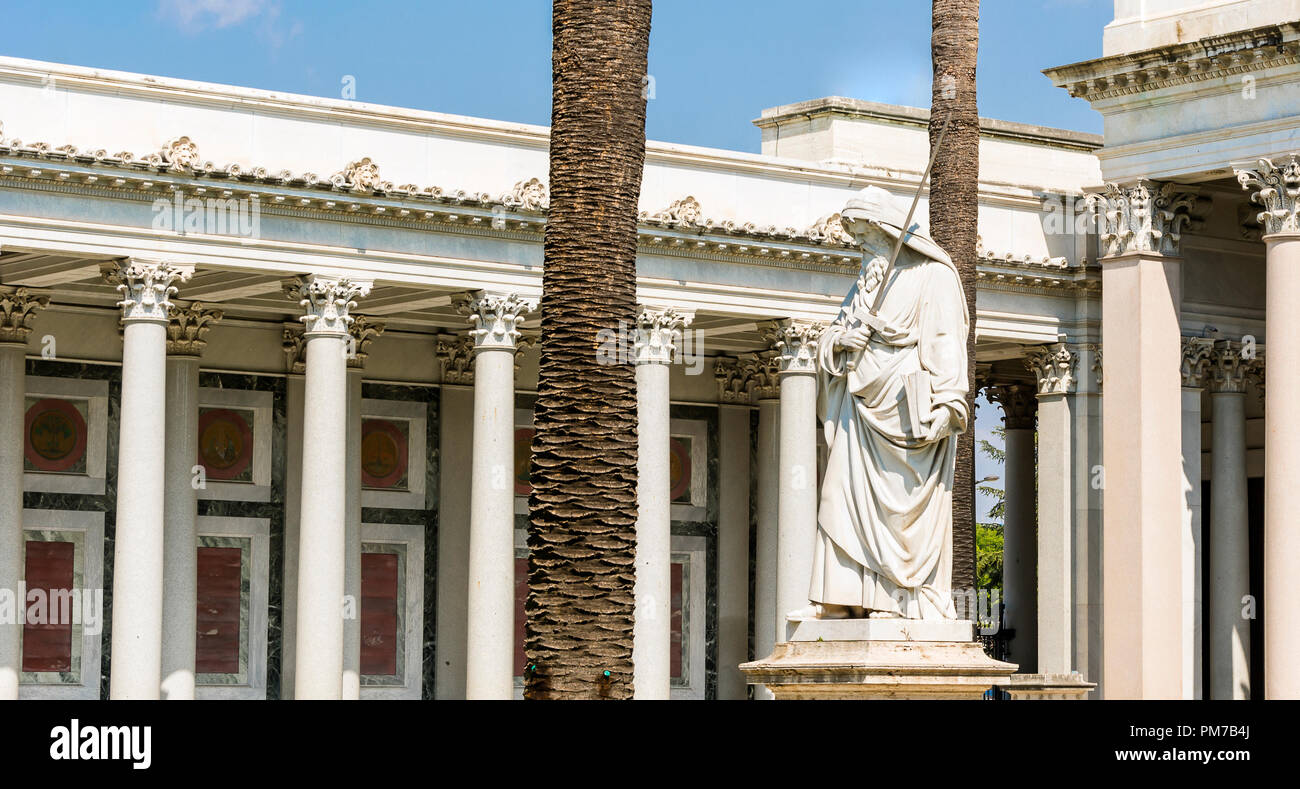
{"points": [[187, 327], [17, 310], [1277, 189], [1054, 368], [1144, 217], [494, 317], [327, 302], [146, 287], [658, 331]]}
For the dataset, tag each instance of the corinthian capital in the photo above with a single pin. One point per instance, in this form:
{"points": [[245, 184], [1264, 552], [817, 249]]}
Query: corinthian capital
{"points": [[186, 327], [1194, 363], [1053, 365], [1019, 406], [1143, 217], [657, 333], [1277, 188], [17, 309], [327, 301], [747, 378], [146, 287], [361, 332], [795, 342], [456, 355], [1228, 369], [495, 317]]}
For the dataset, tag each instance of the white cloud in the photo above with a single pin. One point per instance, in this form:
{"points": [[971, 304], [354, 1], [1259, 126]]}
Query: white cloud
{"points": [[195, 15]]}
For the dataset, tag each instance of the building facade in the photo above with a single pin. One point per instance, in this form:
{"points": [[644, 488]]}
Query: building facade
{"points": [[260, 353]]}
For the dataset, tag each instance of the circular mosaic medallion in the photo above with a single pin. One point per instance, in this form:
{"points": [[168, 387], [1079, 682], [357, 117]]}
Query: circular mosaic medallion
{"points": [[523, 460], [55, 435], [225, 443], [679, 469], [383, 454]]}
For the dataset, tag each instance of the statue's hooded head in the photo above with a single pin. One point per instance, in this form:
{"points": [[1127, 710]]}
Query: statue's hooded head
{"points": [[875, 206]]}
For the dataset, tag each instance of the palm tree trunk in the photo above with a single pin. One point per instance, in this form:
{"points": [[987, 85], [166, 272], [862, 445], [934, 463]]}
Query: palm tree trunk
{"points": [[582, 511], [954, 203]]}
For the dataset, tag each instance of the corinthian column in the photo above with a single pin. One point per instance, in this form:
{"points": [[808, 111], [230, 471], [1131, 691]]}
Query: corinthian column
{"points": [[146, 288], [1140, 226], [185, 343], [1054, 368], [1196, 353], [1229, 527], [796, 344], [490, 632], [17, 309], [1019, 529], [766, 390], [361, 332], [318, 654], [1276, 186], [657, 333]]}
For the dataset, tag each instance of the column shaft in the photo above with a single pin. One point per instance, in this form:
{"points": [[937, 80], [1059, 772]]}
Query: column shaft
{"points": [[1229, 550], [295, 409], [1191, 544], [321, 527], [180, 530], [733, 550], [489, 653], [135, 672], [352, 537], [13, 364], [1055, 537], [1143, 486], [765, 538], [1282, 470], [797, 505], [1020, 549], [456, 439], [652, 627]]}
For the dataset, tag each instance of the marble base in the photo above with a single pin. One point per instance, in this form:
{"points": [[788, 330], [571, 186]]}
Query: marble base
{"points": [[1049, 686], [879, 659]]}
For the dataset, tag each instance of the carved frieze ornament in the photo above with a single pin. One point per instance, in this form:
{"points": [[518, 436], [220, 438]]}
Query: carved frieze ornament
{"points": [[327, 301], [186, 327], [1277, 188], [657, 332], [361, 176], [1145, 217], [529, 195], [146, 287], [17, 310], [1195, 360], [830, 230], [682, 213], [494, 317], [1053, 367], [180, 155], [1018, 401], [795, 342]]}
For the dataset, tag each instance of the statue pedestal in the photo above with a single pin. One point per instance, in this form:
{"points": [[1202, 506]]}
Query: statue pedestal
{"points": [[1049, 686], [879, 659]]}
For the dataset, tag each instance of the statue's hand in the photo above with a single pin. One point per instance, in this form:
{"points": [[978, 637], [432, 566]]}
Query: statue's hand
{"points": [[854, 339], [944, 423]]}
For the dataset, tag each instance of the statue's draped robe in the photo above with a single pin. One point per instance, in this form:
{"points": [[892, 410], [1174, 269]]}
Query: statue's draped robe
{"points": [[884, 527]]}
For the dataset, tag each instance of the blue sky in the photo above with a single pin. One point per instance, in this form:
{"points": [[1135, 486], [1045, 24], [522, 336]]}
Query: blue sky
{"points": [[716, 64]]}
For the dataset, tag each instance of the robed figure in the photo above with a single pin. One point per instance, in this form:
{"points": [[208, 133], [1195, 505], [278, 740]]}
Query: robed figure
{"points": [[892, 399]]}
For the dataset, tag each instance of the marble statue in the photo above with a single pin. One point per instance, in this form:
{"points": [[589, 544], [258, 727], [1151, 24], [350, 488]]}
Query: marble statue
{"points": [[892, 399]]}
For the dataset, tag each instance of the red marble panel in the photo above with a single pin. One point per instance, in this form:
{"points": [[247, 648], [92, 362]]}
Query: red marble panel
{"points": [[48, 646], [379, 615], [217, 637], [675, 618]]}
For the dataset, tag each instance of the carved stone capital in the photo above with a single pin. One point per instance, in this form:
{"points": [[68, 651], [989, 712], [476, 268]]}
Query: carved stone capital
{"points": [[1228, 369], [186, 327], [1255, 373], [327, 302], [456, 356], [146, 287], [295, 349], [658, 329], [17, 310], [1143, 217], [747, 378], [361, 332], [1053, 366], [795, 342], [1096, 362], [495, 318], [1277, 188], [1194, 362], [1019, 404]]}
